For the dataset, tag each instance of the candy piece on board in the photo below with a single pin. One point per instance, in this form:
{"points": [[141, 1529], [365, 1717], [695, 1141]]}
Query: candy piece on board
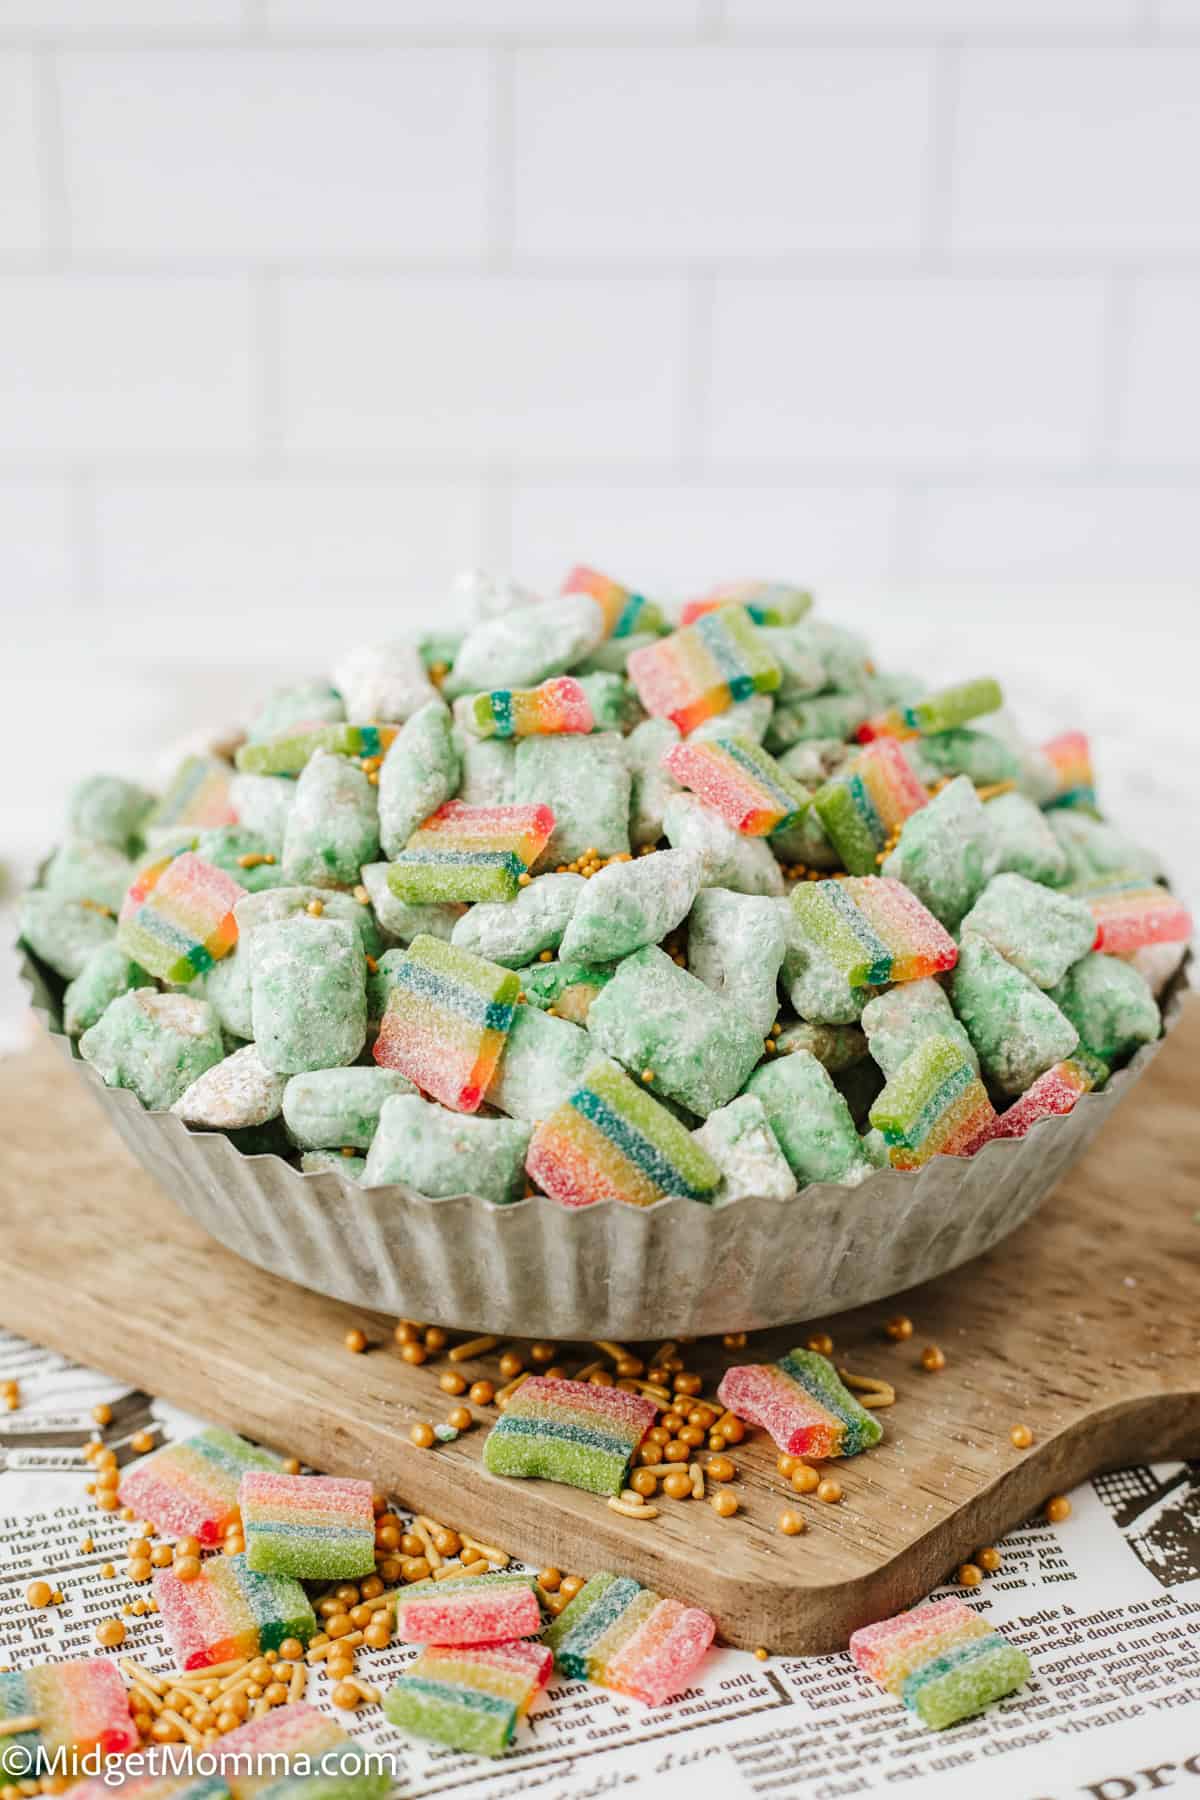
{"points": [[569, 1431], [804, 1404], [315, 1527], [944, 1661]]}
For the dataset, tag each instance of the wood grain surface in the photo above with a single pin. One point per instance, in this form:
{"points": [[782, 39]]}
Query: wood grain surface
{"points": [[1084, 1325]]}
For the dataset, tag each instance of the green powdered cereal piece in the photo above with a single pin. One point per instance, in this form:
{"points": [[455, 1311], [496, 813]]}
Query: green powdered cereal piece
{"points": [[569, 988], [154, 1044], [654, 1015], [818, 1377], [1094, 849], [325, 1108], [237, 1092], [333, 827], [332, 1162], [747, 718], [846, 657], [286, 902], [612, 656], [106, 974], [520, 648], [64, 933], [1022, 842], [818, 990], [262, 804], [651, 784], [1110, 1004], [837, 1047], [1039, 931], [943, 852], [800, 658], [226, 987], [810, 1119], [80, 870], [1017, 1030], [740, 1141], [419, 773], [380, 982], [613, 700], [307, 703], [585, 783], [400, 918], [904, 1016], [441, 1153], [728, 858], [961, 751], [511, 931], [629, 904], [489, 770], [965, 1680], [825, 716], [543, 1061], [735, 947], [438, 649], [814, 760], [227, 845], [309, 1003], [105, 809]]}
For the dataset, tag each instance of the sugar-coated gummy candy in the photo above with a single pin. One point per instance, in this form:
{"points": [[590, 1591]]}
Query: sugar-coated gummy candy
{"points": [[469, 1696], [333, 827], [1041, 932], [154, 1044], [585, 784], [943, 1661], [740, 1141], [767, 602], [740, 781], [987, 759], [325, 1162], [106, 974], [291, 752], [513, 931], [1017, 1030], [420, 772], [190, 1488], [867, 801], [471, 852], [309, 1003], [81, 1708], [651, 782], [198, 795], [728, 859], [1109, 1004], [804, 1404], [933, 1105], [238, 1091], [543, 1063], [1070, 756], [897, 1021], [521, 647], [838, 1047], [942, 853], [84, 870], [626, 1637], [703, 668], [629, 904], [339, 1107], [1021, 840], [611, 1140], [559, 704], [567, 987], [439, 1153], [1052, 1094], [872, 929], [311, 702], [107, 809], [315, 1527], [149, 1787], [624, 611], [735, 947], [569, 1431], [177, 919], [383, 681], [64, 933], [655, 1015], [473, 1609], [298, 1753], [1130, 914], [816, 985], [943, 711], [229, 1610], [243, 854], [810, 1119], [447, 1017], [401, 919], [262, 804]]}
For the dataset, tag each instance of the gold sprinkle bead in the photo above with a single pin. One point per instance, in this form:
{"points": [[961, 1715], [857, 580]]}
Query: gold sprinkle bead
{"points": [[422, 1434], [830, 1491], [933, 1358], [899, 1328], [970, 1575], [821, 1342], [791, 1524], [550, 1580], [1020, 1437], [988, 1559], [142, 1442], [315, 908], [724, 1504], [102, 1414], [361, 895], [1057, 1508], [110, 1633], [524, 879], [355, 1340], [762, 1653], [38, 1594], [805, 1480], [647, 1076]]}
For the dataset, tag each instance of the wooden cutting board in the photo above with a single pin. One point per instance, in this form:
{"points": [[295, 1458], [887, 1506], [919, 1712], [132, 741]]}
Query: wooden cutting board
{"points": [[1084, 1326]]}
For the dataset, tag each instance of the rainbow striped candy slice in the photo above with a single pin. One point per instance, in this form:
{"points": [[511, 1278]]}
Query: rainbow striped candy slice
{"points": [[624, 611], [611, 1140], [154, 1787], [804, 1404], [1054, 1092], [230, 1611], [569, 1431], [288, 753], [177, 918], [315, 1527], [626, 1637], [873, 929], [767, 602], [866, 802], [1070, 755], [704, 668], [470, 853], [944, 711], [738, 779], [469, 1696], [80, 1707], [318, 1758], [471, 1609], [190, 1489], [198, 794], [934, 1105], [1131, 913], [943, 1661], [558, 705], [448, 1016]]}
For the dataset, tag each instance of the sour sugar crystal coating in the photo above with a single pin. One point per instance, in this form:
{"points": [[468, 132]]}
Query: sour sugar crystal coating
{"points": [[739, 780], [230, 1611], [290, 753], [865, 803], [316, 1527], [80, 1707], [318, 1758], [472, 1609], [804, 1404], [470, 853], [198, 794], [1129, 914], [943, 711], [190, 1488], [611, 1140], [1070, 757], [447, 1018], [177, 918], [559, 704], [703, 668], [626, 1637], [469, 1696], [624, 611], [1055, 1092], [767, 602], [944, 1661], [873, 930], [934, 1105], [569, 1431]]}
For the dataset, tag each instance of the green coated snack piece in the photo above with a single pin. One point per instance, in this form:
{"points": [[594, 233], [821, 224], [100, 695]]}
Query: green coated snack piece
{"points": [[440, 1153], [961, 751], [511, 932], [942, 854], [800, 658], [735, 947], [612, 656], [543, 1062], [106, 809], [64, 933], [728, 858], [1039, 931], [400, 918], [489, 770], [585, 783], [438, 649], [845, 655], [237, 1092], [522, 647], [825, 716], [385, 681], [904, 1016], [838, 1047], [651, 783], [818, 990], [226, 987], [420, 772], [291, 753], [810, 1120], [1110, 1004], [80, 870], [306, 703], [613, 700], [747, 718], [654, 1015], [333, 827], [1017, 1030], [154, 1044], [629, 904], [568, 987], [1022, 841], [1094, 849], [286, 902], [328, 1108], [309, 1002], [227, 845], [332, 1162], [380, 982], [813, 760], [106, 974], [262, 804], [740, 1141]]}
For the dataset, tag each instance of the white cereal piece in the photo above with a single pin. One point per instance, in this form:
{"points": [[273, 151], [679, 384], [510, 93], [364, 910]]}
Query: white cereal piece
{"points": [[489, 770], [729, 860], [383, 683], [239, 1091], [629, 904], [735, 946], [740, 1141], [514, 932]]}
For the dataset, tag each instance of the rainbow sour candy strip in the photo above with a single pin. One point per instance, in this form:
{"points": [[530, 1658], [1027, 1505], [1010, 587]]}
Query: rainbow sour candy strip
{"points": [[79, 1707], [864, 803], [1129, 914], [704, 668], [288, 753], [470, 853], [177, 918], [873, 929], [152, 1787], [1054, 1092], [318, 1757], [628, 1638], [190, 1488], [315, 1527], [943, 711], [739, 780], [230, 1611], [1070, 755], [624, 611], [472, 1609], [767, 602], [198, 794], [934, 1105], [569, 1431], [558, 705], [611, 1140], [448, 1016], [469, 1696], [943, 1661], [804, 1404]]}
